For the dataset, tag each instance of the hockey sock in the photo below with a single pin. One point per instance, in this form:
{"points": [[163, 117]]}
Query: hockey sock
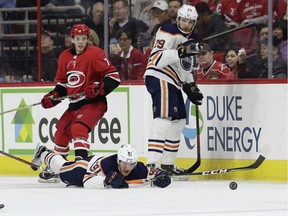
{"points": [[172, 142], [156, 139]]}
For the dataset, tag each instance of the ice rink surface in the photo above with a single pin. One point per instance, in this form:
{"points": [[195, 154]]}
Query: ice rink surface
{"points": [[24, 196]]}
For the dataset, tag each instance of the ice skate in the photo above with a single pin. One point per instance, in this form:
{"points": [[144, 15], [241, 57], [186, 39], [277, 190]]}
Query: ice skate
{"points": [[48, 176], [36, 161], [173, 169]]}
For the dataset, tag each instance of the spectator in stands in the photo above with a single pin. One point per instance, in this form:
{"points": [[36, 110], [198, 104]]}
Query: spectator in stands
{"points": [[131, 68], [256, 11], [252, 12], [49, 58], [122, 20], [160, 11], [235, 60], [208, 68], [173, 7], [255, 59], [279, 69], [159, 14], [280, 31], [142, 10], [209, 24], [263, 31], [94, 39], [95, 21], [228, 9]]}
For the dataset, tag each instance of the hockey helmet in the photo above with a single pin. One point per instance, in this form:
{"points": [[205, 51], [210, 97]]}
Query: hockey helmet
{"points": [[127, 153], [80, 29], [187, 12]]}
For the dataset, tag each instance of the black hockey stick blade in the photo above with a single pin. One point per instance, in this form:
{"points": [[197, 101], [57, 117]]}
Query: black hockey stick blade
{"points": [[255, 165]]}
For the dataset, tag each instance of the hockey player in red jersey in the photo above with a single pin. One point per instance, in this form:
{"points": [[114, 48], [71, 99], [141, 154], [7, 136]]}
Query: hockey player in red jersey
{"points": [[81, 69], [116, 171], [168, 71]]}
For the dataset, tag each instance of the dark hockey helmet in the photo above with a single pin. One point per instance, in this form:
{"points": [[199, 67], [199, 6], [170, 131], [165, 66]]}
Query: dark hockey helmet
{"points": [[80, 29]]}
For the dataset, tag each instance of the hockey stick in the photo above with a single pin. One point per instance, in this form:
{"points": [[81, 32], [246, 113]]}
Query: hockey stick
{"points": [[21, 160], [255, 165], [36, 104], [198, 160]]}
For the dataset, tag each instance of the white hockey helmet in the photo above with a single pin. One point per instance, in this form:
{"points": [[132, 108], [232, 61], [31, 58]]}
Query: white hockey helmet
{"points": [[187, 12], [127, 153]]}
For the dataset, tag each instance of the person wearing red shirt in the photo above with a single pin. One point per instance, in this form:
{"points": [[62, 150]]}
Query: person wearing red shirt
{"points": [[228, 8], [81, 69], [208, 68], [131, 66]]}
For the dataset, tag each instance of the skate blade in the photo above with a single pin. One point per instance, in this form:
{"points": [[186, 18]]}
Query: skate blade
{"points": [[180, 178], [52, 180]]}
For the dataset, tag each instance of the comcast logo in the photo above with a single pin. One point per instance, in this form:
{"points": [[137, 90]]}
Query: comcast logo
{"points": [[23, 121]]}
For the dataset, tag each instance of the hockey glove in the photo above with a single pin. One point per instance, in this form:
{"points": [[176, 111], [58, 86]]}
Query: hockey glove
{"points": [[116, 181], [48, 102], [193, 93], [92, 91], [161, 179], [188, 48]]}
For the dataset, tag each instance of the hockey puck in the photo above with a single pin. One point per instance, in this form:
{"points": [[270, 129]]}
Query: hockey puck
{"points": [[2, 206], [233, 185]]}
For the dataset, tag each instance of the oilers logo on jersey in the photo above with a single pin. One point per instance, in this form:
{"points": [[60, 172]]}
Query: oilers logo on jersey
{"points": [[186, 63]]}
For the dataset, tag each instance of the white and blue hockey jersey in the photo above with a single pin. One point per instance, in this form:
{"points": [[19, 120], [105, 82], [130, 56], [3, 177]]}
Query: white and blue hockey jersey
{"points": [[164, 62]]}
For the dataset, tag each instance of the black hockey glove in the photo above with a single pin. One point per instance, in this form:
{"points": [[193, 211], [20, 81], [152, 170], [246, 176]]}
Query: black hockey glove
{"points": [[193, 93], [161, 179], [115, 180], [188, 48]]}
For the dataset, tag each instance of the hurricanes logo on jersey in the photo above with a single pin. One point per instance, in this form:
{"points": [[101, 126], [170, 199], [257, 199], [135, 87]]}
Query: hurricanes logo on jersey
{"points": [[75, 79], [186, 63]]}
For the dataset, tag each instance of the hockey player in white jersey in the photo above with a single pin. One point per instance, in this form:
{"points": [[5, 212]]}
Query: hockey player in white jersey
{"points": [[169, 70]]}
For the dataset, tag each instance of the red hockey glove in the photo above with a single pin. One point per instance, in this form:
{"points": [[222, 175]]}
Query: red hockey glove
{"points": [[48, 102], [92, 91], [115, 180], [193, 93]]}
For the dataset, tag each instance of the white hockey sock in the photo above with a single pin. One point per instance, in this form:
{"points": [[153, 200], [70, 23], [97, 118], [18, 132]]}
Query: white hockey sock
{"points": [[157, 140], [172, 142]]}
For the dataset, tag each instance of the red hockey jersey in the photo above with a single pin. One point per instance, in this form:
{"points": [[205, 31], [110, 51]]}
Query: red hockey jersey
{"points": [[78, 71]]}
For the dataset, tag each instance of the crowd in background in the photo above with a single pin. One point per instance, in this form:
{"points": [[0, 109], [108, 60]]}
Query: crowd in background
{"points": [[132, 27]]}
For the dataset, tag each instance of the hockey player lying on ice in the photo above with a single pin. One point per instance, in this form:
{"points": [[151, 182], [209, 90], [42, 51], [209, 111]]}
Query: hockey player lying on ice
{"points": [[116, 171]]}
